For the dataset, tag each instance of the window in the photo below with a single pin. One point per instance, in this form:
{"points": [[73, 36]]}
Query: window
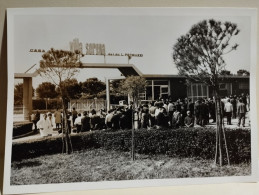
{"points": [[225, 89], [243, 85], [196, 91], [222, 86], [156, 89]]}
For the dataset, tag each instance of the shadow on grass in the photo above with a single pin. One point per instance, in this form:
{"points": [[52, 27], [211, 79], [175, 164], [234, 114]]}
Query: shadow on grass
{"points": [[28, 163]]}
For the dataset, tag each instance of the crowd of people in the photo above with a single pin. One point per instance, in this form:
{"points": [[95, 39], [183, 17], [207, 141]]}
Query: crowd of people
{"points": [[159, 114]]}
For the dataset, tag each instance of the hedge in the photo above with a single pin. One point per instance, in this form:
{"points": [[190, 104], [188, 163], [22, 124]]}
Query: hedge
{"points": [[21, 128], [40, 104], [196, 142]]}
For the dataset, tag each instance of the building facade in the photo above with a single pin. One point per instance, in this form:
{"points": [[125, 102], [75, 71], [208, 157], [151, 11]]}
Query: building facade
{"points": [[175, 87]]}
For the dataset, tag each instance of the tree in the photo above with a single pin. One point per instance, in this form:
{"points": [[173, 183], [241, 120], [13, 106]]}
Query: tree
{"points": [[58, 66], [133, 85], [72, 89], [46, 90], [225, 72], [115, 86], [18, 94], [93, 86], [242, 72], [198, 55]]}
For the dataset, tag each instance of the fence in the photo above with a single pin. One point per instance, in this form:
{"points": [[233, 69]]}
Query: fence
{"points": [[87, 105]]}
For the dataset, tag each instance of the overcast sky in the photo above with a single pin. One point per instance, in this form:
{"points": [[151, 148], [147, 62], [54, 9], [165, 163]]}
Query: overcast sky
{"points": [[150, 35]]}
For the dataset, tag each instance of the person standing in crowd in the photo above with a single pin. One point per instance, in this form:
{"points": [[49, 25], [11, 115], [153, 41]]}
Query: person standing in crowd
{"points": [[145, 119], [58, 119], [128, 115], [95, 120], [212, 112], [197, 111], [85, 122], [69, 121], [165, 105], [176, 118], [244, 99], [241, 112], [34, 122], [233, 101], [35, 118], [123, 120], [78, 123], [189, 120], [183, 112], [247, 102], [204, 114], [51, 126], [228, 108], [191, 107], [160, 118], [45, 125], [171, 110], [116, 120], [74, 116], [152, 111], [108, 119]]}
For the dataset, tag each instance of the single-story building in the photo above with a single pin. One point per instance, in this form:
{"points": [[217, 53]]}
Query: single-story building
{"points": [[175, 86]]}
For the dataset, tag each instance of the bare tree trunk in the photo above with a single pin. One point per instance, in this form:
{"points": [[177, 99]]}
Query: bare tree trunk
{"points": [[220, 136], [133, 137], [68, 145]]}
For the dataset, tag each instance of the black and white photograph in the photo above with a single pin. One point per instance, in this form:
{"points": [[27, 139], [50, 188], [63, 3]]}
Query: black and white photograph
{"points": [[129, 97]]}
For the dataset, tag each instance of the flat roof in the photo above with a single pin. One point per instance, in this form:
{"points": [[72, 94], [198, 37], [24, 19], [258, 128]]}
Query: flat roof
{"points": [[125, 69]]}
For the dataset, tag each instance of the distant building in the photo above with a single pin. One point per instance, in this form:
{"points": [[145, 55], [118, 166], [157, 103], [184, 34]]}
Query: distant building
{"points": [[174, 86]]}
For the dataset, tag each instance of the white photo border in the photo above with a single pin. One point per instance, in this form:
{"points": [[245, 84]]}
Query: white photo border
{"points": [[12, 12]]}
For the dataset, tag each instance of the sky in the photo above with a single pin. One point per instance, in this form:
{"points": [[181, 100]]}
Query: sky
{"points": [[152, 35]]}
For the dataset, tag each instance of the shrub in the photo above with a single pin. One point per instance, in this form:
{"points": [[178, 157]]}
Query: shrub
{"points": [[196, 142], [21, 128]]}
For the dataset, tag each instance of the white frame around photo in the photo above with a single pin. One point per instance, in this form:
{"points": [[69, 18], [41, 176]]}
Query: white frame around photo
{"points": [[12, 13]]}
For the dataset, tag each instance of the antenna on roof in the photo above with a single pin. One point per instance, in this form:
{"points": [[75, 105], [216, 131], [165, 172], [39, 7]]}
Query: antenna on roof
{"points": [[30, 68]]}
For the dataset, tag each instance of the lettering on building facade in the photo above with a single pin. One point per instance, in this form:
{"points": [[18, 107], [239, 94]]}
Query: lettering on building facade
{"points": [[37, 50]]}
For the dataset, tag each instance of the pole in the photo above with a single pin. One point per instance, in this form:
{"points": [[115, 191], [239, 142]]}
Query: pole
{"points": [[133, 137], [108, 94]]}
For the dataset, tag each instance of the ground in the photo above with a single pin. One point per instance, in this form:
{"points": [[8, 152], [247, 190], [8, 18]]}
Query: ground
{"points": [[102, 165]]}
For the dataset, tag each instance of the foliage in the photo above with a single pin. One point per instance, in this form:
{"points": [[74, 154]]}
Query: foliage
{"points": [[199, 54], [115, 86], [243, 72], [18, 94], [133, 85], [225, 72], [72, 89], [21, 128], [40, 104], [184, 142], [93, 86], [46, 90], [58, 66]]}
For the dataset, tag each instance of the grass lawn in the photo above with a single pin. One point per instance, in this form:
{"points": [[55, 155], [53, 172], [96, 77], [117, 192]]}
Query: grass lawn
{"points": [[102, 165]]}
